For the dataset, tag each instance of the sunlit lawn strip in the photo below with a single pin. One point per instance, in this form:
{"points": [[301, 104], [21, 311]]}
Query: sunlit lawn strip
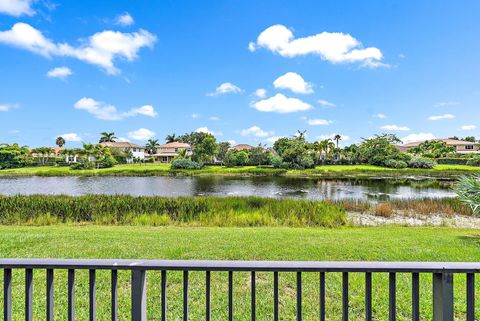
{"points": [[266, 243]]}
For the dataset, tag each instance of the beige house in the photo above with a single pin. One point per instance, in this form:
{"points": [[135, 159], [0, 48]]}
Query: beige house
{"points": [[241, 147], [167, 152], [462, 147], [137, 150]]}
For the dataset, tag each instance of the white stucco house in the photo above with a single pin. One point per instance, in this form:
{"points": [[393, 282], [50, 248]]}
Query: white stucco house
{"points": [[138, 152]]}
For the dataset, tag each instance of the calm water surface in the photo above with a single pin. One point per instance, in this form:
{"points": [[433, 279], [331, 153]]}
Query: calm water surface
{"points": [[310, 188]]}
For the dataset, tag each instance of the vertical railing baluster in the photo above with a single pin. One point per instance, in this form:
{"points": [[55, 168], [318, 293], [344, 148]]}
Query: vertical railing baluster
{"points": [[275, 296], [345, 296], [470, 297], [253, 295], [368, 296], [28, 295], [392, 305], [322, 296], [7, 294], [230, 296], [443, 297], [92, 295], [185, 295], [415, 297], [71, 295], [114, 295], [139, 295], [164, 295], [49, 310], [299, 296], [207, 296]]}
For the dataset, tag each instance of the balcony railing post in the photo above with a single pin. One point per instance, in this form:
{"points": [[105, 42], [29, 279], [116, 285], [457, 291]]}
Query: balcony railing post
{"points": [[139, 295], [442, 297]]}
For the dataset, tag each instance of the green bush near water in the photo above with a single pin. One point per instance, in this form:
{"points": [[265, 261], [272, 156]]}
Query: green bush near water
{"points": [[157, 211]]}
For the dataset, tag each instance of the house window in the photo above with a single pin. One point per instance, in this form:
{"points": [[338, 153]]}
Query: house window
{"points": [[165, 159], [176, 150], [469, 147]]}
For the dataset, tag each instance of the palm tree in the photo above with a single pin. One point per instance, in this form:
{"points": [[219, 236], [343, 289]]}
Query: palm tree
{"points": [[60, 141], [88, 150], [171, 138], [151, 146], [337, 138], [300, 135], [106, 137]]}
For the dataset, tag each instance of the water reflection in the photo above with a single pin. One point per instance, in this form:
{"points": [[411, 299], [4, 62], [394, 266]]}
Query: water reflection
{"points": [[311, 188]]}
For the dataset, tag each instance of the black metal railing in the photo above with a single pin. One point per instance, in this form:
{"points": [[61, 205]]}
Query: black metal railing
{"points": [[442, 279]]}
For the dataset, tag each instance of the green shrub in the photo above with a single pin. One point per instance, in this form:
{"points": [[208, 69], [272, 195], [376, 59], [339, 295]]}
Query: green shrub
{"points": [[474, 162], [452, 161], [276, 161], [393, 163], [419, 162], [83, 165], [185, 164]]}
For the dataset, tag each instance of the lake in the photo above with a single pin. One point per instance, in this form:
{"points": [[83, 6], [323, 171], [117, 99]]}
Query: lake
{"points": [[309, 188]]}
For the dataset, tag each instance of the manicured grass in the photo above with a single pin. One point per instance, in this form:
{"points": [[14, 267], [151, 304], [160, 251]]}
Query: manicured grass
{"points": [[316, 244], [156, 211], [328, 171]]}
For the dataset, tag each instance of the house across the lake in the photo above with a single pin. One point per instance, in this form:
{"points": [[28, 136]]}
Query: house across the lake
{"points": [[241, 147], [462, 147], [167, 152], [137, 151]]}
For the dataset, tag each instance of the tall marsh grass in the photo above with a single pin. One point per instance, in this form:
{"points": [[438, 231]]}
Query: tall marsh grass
{"points": [[424, 206], [157, 211]]}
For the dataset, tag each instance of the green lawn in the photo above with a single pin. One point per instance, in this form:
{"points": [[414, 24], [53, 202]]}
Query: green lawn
{"points": [[380, 243], [330, 171]]}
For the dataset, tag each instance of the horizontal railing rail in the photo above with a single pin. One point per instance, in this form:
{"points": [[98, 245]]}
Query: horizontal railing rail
{"points": [[442, 287]]}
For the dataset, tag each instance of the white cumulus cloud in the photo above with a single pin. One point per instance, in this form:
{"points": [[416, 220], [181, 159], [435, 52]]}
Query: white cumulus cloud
{"points": [[226, 88], [281, 104], [468, 127], [335, 47], [420, 137], [141, 134], [294, 82], [124, 19], [206, 130], [71, 137], [318, 122], [261, 93], [105, 111], [441, 117], [396, 128], [60, 72], [380, 116], [101, 49], [17, 8], [256, 131], [325, 103]]}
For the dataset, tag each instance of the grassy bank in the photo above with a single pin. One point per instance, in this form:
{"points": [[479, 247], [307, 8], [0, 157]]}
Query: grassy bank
{"points": [[331, 171], [274, 243], [156, 211]]}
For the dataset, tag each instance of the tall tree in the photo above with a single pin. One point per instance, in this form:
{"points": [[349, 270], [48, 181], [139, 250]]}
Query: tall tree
{"points": [[337, 138], [107, 137], [171, 138], [60, 141], [151, 146]]}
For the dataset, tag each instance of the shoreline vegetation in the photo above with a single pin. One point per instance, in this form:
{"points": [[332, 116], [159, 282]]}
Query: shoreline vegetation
{"points": [[40, 210], [448, 172]]}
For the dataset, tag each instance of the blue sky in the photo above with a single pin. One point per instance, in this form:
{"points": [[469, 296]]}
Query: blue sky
{"points": [[248, 71]]}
